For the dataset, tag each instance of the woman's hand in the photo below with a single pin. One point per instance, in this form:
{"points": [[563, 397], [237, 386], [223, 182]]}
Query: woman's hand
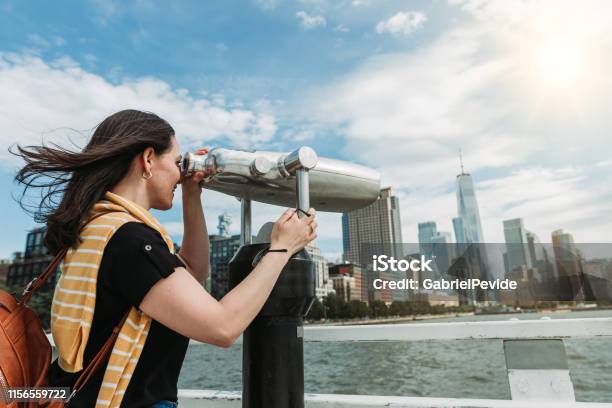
{"points": [[191, 185], [292, 232]]}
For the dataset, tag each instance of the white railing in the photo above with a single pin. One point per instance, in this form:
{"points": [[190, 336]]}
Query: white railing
{"points": [[228, 399], [507, 329]]}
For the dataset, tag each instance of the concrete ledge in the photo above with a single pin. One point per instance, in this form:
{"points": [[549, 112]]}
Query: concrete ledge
{"points": [[229, 399]]}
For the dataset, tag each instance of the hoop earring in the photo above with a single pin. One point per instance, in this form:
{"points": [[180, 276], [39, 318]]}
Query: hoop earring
{"points": [[147, 177]]}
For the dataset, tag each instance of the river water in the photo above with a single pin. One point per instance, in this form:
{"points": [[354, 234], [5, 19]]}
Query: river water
{"points": [[445, 368]]}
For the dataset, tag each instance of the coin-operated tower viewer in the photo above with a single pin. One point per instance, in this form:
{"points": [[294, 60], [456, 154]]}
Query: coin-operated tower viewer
{"points": [[273, 348]]}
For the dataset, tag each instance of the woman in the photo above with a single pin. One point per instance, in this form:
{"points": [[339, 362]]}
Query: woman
{"points": [[121, 260]]}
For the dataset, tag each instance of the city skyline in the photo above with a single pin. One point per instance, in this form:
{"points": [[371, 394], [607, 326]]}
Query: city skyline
{"points": [[467, 226]]}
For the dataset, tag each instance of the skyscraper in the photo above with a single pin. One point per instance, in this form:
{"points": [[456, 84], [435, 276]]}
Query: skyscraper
{"points": [[379, 223], [427, 230], [353, 271], [517, 249], [460, 239], [346, 246], [443, 251], [467, 209], [435, 245], [396, 221], [222, 249], [32, 262], [469, 229], [470, 239], [568, 266], [323, 283], [536, 252]]}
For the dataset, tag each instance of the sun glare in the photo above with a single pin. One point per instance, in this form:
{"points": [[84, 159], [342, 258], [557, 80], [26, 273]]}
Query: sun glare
{"points": [[560, 51], [561, 62], [560, 58]]}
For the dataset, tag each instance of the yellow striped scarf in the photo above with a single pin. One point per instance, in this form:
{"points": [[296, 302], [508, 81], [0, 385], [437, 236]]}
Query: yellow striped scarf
{"points": [[74, 299]]}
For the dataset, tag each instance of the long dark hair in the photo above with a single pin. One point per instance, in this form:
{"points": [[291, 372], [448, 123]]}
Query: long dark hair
{"points": [[72, 182]]}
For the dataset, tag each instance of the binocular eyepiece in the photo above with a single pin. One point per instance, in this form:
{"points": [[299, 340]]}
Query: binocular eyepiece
{"points": [[260, 165], [270, 177], [192, 163]]}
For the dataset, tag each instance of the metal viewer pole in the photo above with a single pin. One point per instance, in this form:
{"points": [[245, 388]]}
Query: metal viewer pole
{"points": [[299, 162], [245, 222], [273, 344], [302, 191]]}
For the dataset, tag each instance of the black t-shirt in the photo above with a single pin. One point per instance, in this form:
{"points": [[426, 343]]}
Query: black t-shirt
{"points": [[135, 258]]}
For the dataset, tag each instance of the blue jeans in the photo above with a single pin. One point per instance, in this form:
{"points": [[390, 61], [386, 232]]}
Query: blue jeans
{"points": [[165, 404]]}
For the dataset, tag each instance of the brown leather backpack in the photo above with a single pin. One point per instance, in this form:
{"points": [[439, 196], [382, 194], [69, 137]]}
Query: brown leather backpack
{"points": [[25, 351]]}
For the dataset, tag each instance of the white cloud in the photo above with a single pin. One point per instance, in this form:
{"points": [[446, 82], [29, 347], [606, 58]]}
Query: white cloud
{"points": [[90, 59], [59, 41], [174, 228], [488, 10], [44, 98], [299, 135], [309, 22], [105, 10], [604, 163], [267, 4], [38, 41], [421, 108], [402, 23], [317, 3], [341, 28]]}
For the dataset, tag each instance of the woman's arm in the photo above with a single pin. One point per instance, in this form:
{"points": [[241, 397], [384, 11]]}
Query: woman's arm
{"points": [[179, 303], [195, 249]]}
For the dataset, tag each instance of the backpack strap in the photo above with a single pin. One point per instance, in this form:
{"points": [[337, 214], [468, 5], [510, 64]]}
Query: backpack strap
{"points": [[36, 283], [98, 360], [93, 366]]}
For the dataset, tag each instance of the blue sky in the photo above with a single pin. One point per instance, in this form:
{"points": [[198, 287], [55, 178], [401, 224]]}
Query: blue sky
{"points": [[523, 88]]}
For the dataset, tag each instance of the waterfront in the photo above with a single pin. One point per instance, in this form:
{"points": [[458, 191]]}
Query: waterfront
{"points": [[455, 368]]}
